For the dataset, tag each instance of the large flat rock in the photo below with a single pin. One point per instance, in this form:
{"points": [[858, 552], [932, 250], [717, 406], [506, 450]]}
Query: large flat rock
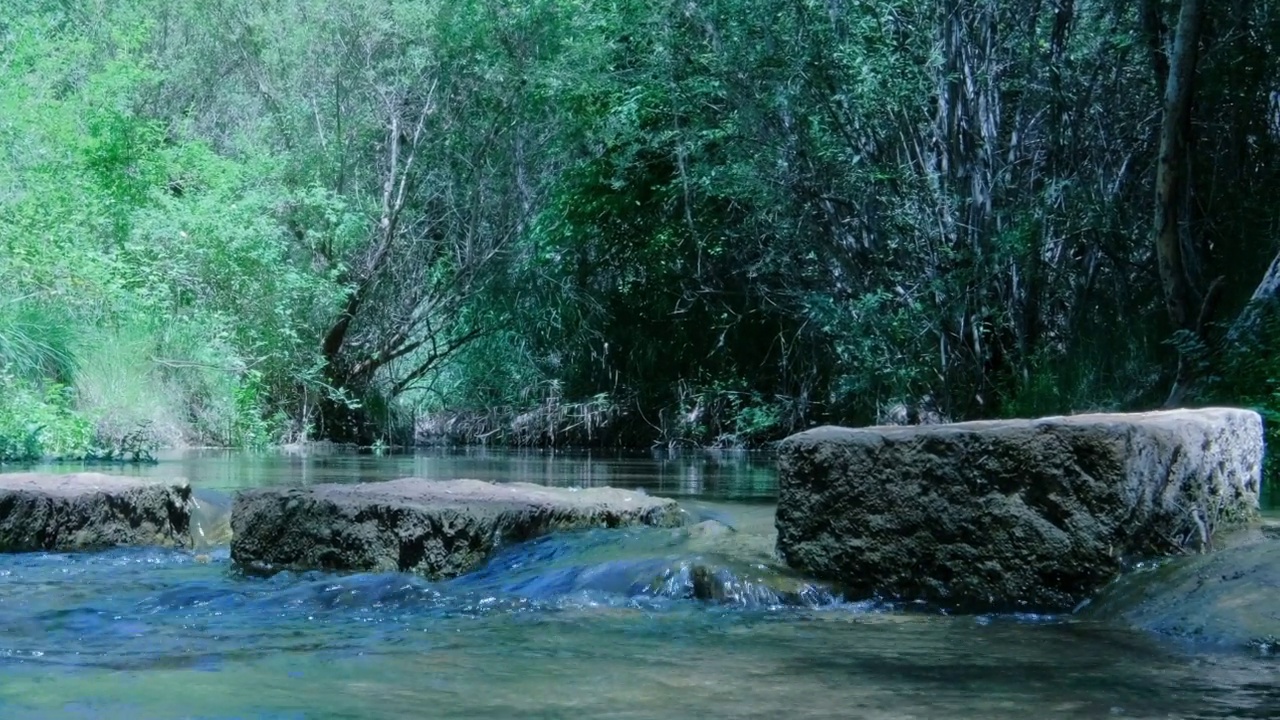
{"points": [[91, 511], [436, 528], [1018, 514]]}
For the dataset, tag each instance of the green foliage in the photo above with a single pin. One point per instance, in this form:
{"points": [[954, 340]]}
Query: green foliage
{"points": [[41, 422], [712, 222], [141, 267], [881, 352], [723, 416], [1249, 376], [46, 423], [250, 428]]}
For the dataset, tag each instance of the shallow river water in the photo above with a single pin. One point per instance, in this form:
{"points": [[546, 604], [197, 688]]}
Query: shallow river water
{"points": [[570, 626]]}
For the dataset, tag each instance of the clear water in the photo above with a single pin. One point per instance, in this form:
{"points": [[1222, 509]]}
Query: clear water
{"points": [[573, 626]]}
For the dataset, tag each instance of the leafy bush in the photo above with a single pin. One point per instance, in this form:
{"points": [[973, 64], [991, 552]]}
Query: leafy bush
{"points": [[37, 423]]}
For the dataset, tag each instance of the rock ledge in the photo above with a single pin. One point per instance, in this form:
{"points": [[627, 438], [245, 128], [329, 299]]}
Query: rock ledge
{"points": [[436, 528], [91, 511]]}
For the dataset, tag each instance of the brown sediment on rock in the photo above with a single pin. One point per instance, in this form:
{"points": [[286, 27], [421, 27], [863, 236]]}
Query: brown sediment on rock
{"points": [[91, 511], [436, 528], [1014, 514]]}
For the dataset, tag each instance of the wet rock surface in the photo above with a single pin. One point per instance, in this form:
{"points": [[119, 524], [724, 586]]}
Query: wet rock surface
{"points": [[438, 529], [91, 511], [1229, 597], [726, 562], [1012, 515]]}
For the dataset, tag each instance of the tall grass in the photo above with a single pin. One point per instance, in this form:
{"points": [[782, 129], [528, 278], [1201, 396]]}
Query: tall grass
{"points": [[119, 386], [37, 361], [36, 341], [119, 390]]}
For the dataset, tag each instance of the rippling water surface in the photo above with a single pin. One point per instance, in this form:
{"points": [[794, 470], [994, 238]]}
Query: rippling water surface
{"points": [[603, 624]]}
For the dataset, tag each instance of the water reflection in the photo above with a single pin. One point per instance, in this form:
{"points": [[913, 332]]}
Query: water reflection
{"points": [[724, 474]]}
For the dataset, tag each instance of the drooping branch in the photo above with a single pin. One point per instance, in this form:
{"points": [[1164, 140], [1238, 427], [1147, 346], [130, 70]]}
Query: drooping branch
{"points": [[433, 360]]}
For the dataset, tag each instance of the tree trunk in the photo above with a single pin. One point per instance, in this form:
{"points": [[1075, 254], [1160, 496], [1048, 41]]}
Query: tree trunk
{"points": [[1171, 167]]}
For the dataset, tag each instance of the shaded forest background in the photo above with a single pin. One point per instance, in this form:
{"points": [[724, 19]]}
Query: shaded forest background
{"points": [[626, 222]]}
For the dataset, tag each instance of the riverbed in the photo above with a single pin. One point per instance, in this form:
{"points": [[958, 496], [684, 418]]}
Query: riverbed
{"points": [[570, 626]]}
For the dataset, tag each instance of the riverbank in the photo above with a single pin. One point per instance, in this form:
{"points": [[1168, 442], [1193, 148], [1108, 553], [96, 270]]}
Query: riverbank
{"points": [[48, 431]]}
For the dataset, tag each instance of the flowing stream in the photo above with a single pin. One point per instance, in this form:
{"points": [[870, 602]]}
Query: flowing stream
{"points": [[601, 624]]}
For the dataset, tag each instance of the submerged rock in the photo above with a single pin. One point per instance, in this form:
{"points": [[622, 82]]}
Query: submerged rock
{"points": [[750, 587], [705, 561], [1230, 597], [90, 511], [1017, 514], [435, 528], [713, 580]]}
